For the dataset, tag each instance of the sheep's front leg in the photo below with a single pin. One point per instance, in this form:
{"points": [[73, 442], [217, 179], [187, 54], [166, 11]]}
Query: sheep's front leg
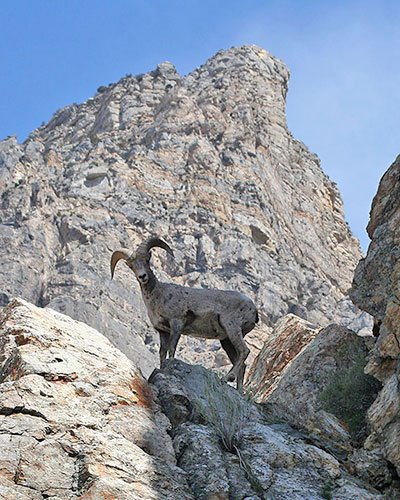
{"points": [[176, 330], [164, 343]]}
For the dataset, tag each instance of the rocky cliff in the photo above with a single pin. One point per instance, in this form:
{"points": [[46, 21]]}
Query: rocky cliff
{"points": [[205, 161], [77, 420], [314, 380], [376, 289]]}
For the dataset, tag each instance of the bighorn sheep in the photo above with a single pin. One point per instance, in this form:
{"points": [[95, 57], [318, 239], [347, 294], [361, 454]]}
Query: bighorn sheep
{"points": [[175, 310]]}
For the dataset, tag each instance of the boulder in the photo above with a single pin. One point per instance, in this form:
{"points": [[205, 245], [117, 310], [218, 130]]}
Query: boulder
{"points": [[301, 375], [289, 337], [77, 419]]}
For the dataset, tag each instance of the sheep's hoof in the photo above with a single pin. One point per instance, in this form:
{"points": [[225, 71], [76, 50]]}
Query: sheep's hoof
{"points": [[230, 377]]}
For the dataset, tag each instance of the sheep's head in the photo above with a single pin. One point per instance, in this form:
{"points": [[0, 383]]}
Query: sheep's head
{"points": [[139, 261]]}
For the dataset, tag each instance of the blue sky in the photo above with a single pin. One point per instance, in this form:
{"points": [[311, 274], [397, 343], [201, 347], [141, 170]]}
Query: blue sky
{"points": [[344, 92]]}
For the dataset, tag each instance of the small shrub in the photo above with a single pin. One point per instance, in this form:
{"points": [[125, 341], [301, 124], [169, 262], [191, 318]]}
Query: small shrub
{"points": [[226, 411], [349, 395], [327, 489]]}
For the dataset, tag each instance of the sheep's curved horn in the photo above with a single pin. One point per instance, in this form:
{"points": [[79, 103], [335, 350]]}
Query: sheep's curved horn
{"points": [[118, 255], [144, 248]]}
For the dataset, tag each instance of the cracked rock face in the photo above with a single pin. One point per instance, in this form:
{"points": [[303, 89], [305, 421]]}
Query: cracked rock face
{"points": [[77, 420], [376, 289], [205, 161]]}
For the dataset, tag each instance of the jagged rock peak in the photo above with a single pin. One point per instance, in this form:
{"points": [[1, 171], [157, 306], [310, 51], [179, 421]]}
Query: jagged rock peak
{"points": [[248, 64], [242, 59]]}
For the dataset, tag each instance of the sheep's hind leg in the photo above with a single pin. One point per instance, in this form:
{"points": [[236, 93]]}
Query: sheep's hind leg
{"points": [[240, 378], [231, 352], [242, 351]]}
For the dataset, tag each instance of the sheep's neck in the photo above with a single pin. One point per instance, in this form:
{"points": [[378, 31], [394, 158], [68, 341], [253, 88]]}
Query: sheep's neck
{"points": [[151, 283]]}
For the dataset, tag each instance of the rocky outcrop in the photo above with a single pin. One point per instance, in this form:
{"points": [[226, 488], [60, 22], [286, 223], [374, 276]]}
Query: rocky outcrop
{"points": [[293, 371], [205, 161], [77, 420], [289, 337], [376, 290], [230, 451], [314, 380]]}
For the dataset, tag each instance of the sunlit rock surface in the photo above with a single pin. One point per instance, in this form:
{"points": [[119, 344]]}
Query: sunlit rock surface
{"points": [[77, 420], [294, 367], [271, 461]]}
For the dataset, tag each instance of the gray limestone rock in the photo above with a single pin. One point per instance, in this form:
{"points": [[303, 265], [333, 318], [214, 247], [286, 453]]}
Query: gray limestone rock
{"points": [[294, 368], [77, 420]]}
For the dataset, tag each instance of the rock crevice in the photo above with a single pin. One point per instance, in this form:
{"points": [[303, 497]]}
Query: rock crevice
{"points": [[376, 290]]}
